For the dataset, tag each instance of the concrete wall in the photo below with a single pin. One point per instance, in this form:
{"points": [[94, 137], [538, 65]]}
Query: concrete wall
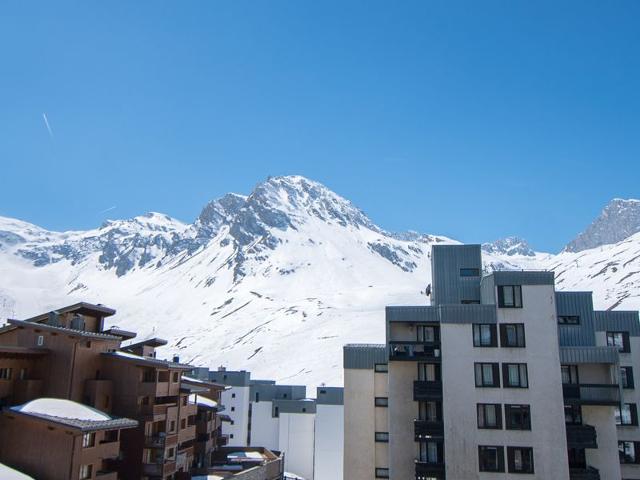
{"points": [[296, 440], [402, 412], [329, 442], [264, 426], [605, 458], [236, 398]]}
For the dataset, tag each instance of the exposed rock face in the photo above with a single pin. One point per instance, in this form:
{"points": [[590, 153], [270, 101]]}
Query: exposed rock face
{"points": [[619, 220], [509, 246]]}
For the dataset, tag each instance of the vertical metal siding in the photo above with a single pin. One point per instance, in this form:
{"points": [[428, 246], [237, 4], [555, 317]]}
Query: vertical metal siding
{"points": [[446, 262], [618, 321], [581, 304]]}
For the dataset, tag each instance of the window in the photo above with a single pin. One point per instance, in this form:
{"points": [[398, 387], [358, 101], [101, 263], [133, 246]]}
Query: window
{"points": [[569, 319], [382, 473], [626, 377], [183, 424], [620, 340], [520, 459], [428, 372], [569, 374], [573, 414], [489, 415], [512, 335], [233, 409], [469, 272], [381, 402], [628, 415], [426, 333], [23, 374], [430, 452], [487, 375], [382, 437], [470, 302], [514, 375], [175, 377], [233, 395], [484, 335], [172, 426], [627, 451], [491, 459], [381, 368], [40, 342], [517, 417], [5, 373], [510, 296], [430, 411], [86, 471], [88, 440]]}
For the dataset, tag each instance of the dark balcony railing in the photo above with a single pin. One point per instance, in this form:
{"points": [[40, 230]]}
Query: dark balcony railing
{"points": [[429, 470], [423, 390], [588, 473], [414, 351], [591, 394], [581, 436], [425, 429], [155, 441]]}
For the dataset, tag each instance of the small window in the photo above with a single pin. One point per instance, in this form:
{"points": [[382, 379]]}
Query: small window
{"points": [[175, 377], [517, 417], [233, 409], [231, 435], [628, 415], [431, 452], [487, 375], [86, 472], [520, 459], [469, 272], [428, 372], [40, 342], [569, 374], [626, 377], [233, 395], [5, 373], [510, 296], [484, 335], [430, 411], [426, 333], [573, 414], [628, 451], [382, 473], [381, 402], [619, 340], [23, 374], [490, 415], [514, 375], [512, 335], [569, 319], [381, 368], [172, 426], [88, 440], [491, 459], [382, 437], [183, 424]]}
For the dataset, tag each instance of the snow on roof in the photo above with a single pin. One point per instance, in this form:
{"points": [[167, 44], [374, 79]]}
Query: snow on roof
{"points": [[292, 476], [8, 473], [204, 401], [57, 407], [207, 477], [244, 456]]}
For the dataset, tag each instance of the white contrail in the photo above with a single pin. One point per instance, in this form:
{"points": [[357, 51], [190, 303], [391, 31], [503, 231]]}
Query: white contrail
{"points": [[108, 209], [46, 122]]}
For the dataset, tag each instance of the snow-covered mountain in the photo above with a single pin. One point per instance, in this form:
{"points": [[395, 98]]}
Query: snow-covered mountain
{"points": [[274, 282]]}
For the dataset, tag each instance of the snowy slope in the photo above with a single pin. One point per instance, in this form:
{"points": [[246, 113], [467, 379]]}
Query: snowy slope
{"points": [[274, 282]]}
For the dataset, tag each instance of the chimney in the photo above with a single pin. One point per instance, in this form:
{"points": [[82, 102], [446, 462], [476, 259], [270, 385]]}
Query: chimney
{"points": [[176, 359]]}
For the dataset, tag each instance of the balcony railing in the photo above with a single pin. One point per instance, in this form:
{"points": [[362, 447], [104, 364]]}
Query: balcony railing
{"points": [[591, 394], [159, 469], [588, 473], [155, 441], [425, 429], [429, 470], [424, 390], [581, 436], [414, 351]]}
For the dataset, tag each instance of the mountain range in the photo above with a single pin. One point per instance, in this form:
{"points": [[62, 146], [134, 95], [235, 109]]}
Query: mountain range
{"points": [[277, 281]]}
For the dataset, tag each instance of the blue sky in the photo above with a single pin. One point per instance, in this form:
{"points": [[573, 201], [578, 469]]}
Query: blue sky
{"points": [[470, 119]]}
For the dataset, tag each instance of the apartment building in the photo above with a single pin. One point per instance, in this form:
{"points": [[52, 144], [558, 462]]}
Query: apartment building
{"points": [[501, 374]]}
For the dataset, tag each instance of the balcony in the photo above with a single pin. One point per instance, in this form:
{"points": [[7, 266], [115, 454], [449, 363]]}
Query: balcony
{"points": [[416, 351], [429, 470], [160, 440], [156, 410], [106, 475], [424, 390], [425, 429], [591, 394], [588, 473], [581, 436], [160, 469]]}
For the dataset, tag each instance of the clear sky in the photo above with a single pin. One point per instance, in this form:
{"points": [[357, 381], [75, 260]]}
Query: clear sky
{"points": [[475, 119]]}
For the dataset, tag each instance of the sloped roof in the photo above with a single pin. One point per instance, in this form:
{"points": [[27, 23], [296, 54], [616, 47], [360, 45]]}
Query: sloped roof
{"points": [[70, 331], [145, 361]]}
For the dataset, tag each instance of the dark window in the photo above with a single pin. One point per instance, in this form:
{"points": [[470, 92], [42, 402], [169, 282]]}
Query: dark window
{"points": [[628, 415], [470, 302], [573, 414], [569, 319], [490, 415], [233, 395], [469, 272], [512, 335], [569, 374], [5, 373], [628, 452], [514, 375], [382, 473], [520, 459], [577, 458], [430, 411], [431, 452], [427, 334], [626, 377], [428, 372], [381, 402], [484, 335], [381, 368], [517, 417], [491, 459], [382, 437], [487, 375], [510, 296], [619, 340]]}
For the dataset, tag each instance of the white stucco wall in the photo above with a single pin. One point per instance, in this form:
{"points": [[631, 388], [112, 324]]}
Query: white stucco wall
{"points": [[236, 402], [329, 442], [264, 426], [296, 439]]}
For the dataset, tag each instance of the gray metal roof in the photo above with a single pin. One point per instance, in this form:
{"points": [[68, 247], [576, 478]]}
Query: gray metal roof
{"points": [[231, 378], [145, 361], [575, 355], [82, 425], [69, 331], [303, 406], [467, 313], [523, 277], [618, 321], [270, 391], [416, 314], [330, 396], [364, 355]]}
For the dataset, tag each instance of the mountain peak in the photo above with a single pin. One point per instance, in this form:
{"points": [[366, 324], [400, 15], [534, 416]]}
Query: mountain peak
{"points": [[619, 219], [509, 246]]}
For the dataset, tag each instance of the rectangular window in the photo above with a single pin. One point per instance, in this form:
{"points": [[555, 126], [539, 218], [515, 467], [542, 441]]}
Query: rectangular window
{"points": [[484, 335], [40, 340], [569, 319], [510, 296], [517, 417], [619, 340], [573, 414], [428, 372], [381, 368], [430, 452], [86, 472], [430, 411], [469, 272], [628, 415], [427, 334], [626, 377], [382, 437], [382, 473], [520, 459], [628, 451], [489, 415], [381, 402], [512, 335], [5, 373], [487, 375], [491, 459], [569, 374], [88, 440], [514, 375]]}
